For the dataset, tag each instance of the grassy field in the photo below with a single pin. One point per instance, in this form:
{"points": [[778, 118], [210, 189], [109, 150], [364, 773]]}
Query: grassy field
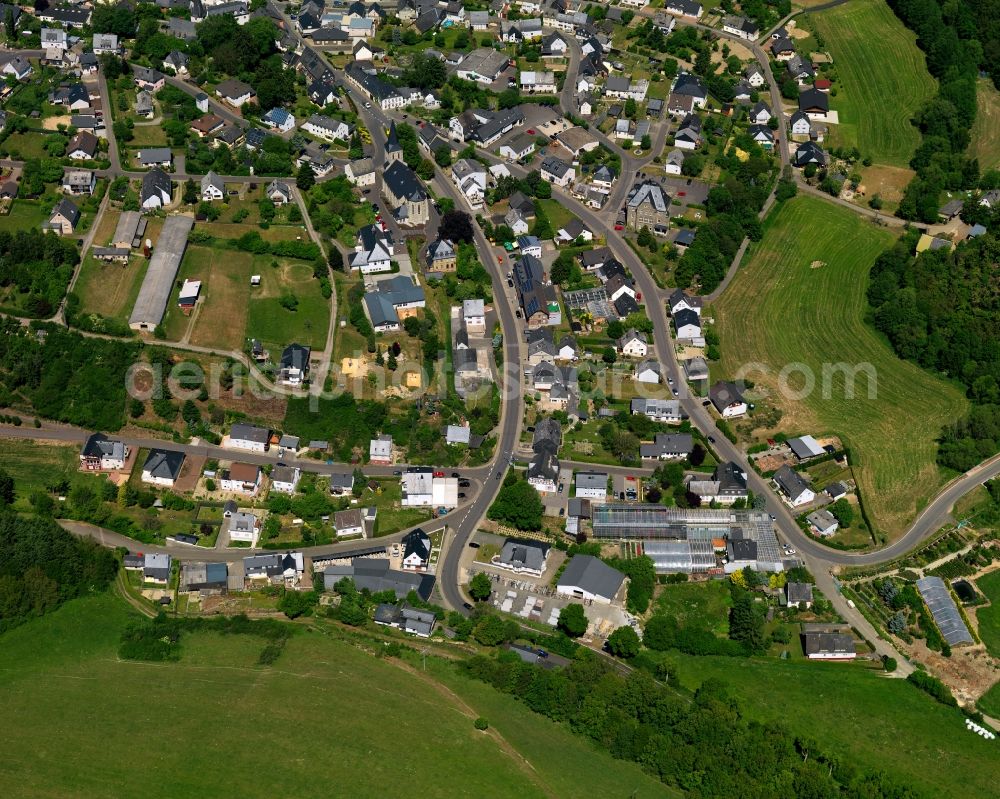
{"points": [[883, 80], [800, 300], [231, 310], [865, 718], [110, 289], [34, 465], [704, 605], [27, 145], [989, 617], [215, 723], [24, 215], [985, 143], [989, 702]]}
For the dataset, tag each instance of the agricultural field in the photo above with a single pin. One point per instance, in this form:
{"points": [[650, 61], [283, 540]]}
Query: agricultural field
{"points": [[882, 80], [856, 712], [985, 143], [989, 617], [800, 299], [110, 289], [231, 310], [62, 677]]}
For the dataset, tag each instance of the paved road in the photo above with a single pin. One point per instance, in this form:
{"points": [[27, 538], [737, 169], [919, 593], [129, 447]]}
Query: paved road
{"points": [[464, 523]]}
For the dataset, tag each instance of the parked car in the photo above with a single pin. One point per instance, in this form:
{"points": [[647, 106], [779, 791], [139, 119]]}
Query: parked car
{"points": [[473, 545], [461, 495]]}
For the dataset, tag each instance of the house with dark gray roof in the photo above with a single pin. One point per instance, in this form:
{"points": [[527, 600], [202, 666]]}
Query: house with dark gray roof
{"points": [[793, 486], [668, 446], [523, 557], [162, 467]]}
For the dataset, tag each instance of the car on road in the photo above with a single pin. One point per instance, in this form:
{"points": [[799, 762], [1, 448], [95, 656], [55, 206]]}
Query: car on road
{"points": [[562, 511], [439, 474], [455, 474], [706, 403], [619, 227], [670, 380], [510, 283], [676, 392], [397, 473], [711, 439], [531, 132], [499, 475], [368, 105]]}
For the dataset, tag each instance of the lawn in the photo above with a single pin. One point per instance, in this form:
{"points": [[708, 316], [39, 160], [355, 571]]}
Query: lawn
{"points": [[24, 215], [392, 516], [800, 300], [702, 605], [148, 136], [559, 215], [345, 714], [231, 310], [861, 717], [985, 143], [989, 617], [883, 80], [27, 145]]}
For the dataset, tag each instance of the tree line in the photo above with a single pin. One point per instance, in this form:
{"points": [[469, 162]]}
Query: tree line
{"points": [[940, 309], [705, 746], [951, 40], [42, 566]]}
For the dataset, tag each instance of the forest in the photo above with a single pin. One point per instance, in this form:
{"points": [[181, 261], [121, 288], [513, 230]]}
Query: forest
{"points": [[63, 376], [42, 566], [954, 43], [940, 309], [705, 746], [36, 267]]}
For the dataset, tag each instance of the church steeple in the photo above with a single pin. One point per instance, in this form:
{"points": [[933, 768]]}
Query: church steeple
{"points": [[393, 152]]}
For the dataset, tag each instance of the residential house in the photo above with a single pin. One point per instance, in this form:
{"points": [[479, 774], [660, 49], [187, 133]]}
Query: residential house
{"points": [[327, 128], [373, 251], [574, 231], [152, 80], [162, 467], [815, 104], [828, 646], [279, 192], [793, 486], [535, 295], [241, 478], [249, 437], [279, 119], [207, 125], [156, 568], [696, 369], [156, 191], [212, 187], [683, 8], [177, 61], [648, 371], [592, 486], [727, 399], [822, 522], [668, 446], [634, 344], [474, 315], [361, 172], [809, 153], [801, 126], [294, 365], [658, 410], [799, 595], [380, 450], [741, 27], [16, 66], [103, 454], [728, 484], [687, 324], [284, 479], [470, 178], [441, 256], [416, 550], [64, 218], [79, 181], [522, 557], [235, 92], [155, 157]]}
